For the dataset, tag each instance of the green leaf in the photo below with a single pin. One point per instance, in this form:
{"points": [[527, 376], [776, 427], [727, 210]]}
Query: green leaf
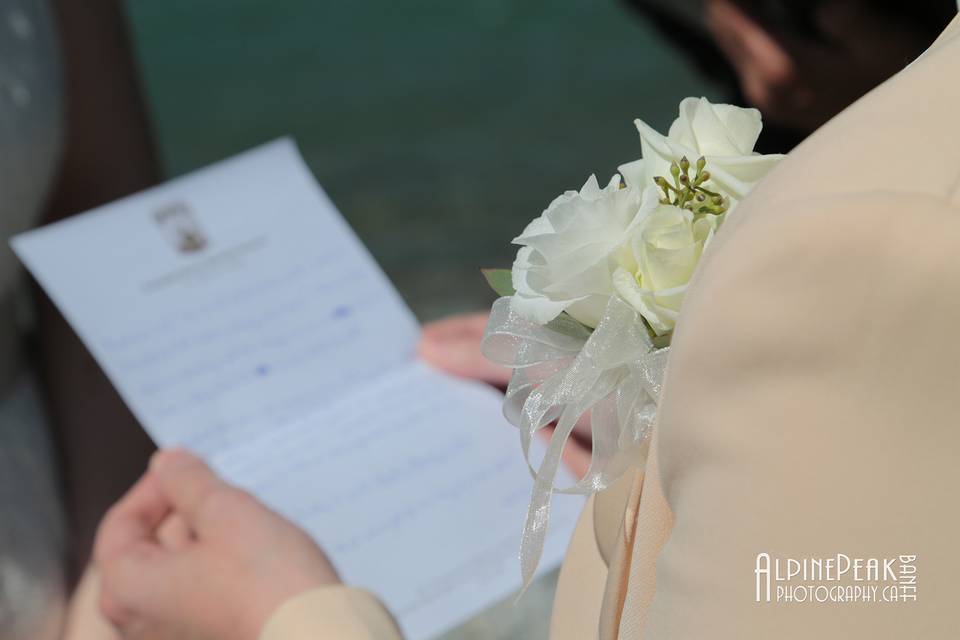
{"points": [[662, 341], [500, 280]]}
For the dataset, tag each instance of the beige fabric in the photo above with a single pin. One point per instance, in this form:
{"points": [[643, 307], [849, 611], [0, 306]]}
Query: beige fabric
{"points": [[332, 612], [812, 401], [608, 510], [618, 557], [654, 522], [838, 432], [579, 597]]}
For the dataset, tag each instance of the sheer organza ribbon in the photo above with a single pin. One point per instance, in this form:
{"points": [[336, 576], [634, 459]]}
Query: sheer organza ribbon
{"points": [[562, 372]]}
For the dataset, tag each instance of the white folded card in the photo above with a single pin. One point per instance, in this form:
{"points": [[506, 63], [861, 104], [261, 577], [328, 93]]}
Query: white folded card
{"points": [[239, 316]]}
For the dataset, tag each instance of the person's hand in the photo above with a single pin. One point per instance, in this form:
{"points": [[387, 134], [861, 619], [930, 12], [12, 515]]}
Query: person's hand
{"points": [[184, 555], [453, 345], [801, 80]]}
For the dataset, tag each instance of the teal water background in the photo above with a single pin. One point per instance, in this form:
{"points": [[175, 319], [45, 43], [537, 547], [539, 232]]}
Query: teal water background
{"points": [[438, 127]]}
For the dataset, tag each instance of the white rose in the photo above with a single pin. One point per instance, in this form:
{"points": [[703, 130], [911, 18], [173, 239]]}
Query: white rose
{"points": [[664, 251], [723, 134], [567, 259]]}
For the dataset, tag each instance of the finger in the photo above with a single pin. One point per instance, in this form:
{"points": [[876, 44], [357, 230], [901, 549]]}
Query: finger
{"points": [[745, 40], [133, 519], [453, 344], [174, 534], [130, 580], [577, 458], [583, 430], [190, 485]]}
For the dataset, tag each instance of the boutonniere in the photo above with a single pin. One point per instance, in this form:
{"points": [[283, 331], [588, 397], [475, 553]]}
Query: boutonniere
{"points": [[588, 310]]}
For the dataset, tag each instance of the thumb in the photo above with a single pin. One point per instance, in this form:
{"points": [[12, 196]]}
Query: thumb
{"points": [[131, 581]]}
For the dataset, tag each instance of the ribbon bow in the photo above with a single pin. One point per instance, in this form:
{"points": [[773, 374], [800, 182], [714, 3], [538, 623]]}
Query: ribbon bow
{"points": [[561, 372]]}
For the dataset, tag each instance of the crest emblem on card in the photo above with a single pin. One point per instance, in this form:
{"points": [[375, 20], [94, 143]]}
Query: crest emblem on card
{"points": [[180, 226]]}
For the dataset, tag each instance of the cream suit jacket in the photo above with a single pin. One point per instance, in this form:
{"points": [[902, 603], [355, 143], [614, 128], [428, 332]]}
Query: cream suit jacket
{"points": [[812, 403]]}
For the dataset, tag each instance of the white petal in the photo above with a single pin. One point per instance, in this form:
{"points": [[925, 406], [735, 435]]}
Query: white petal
{"points": [[735, 176], [681, 130], [710, 132], [521, 266], [659, 151], [661, 320], [743, 126], [590, 188], [589, 310], [536, 309], [634, 174], [538, 226]]}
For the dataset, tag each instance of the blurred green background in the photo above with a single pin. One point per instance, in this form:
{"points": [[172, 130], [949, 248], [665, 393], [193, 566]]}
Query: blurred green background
{"points": [[439, 127]]}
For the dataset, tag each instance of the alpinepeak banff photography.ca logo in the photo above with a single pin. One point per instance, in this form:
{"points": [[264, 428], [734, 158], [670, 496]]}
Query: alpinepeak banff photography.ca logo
{"points": [[835, 579]]}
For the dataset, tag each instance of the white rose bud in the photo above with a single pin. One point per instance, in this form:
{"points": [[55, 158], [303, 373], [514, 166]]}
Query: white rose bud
{"points": [[664, 251]]}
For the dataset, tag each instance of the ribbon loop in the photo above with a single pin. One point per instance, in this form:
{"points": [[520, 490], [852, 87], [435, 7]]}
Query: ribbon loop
{"points": [[563, 372]]}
